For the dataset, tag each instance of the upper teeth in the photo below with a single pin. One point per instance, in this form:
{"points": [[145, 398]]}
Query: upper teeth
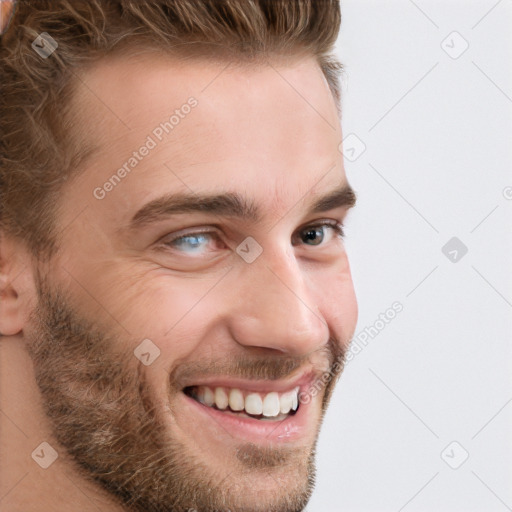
{"points": [[269, 404]]}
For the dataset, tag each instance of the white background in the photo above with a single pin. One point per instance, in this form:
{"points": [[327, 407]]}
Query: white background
{"points": [[438, 137]]}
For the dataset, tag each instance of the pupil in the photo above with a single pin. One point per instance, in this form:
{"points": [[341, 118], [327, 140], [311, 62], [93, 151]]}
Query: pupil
{"points": [[311, 234]]}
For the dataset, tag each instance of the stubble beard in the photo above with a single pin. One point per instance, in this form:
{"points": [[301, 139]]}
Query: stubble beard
{"points": [[103, 413]]}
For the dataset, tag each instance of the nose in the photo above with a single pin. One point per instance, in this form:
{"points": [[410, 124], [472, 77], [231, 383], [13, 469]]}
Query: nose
{"points": [[275, 307]]}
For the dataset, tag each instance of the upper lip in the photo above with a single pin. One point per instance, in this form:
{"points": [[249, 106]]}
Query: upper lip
{"points": [[257, 386]]}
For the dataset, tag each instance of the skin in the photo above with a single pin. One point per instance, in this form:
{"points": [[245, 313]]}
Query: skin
{"points": [[5, 13], [67, 369]]}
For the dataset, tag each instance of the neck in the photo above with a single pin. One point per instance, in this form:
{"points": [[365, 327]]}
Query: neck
{"points": [[30, 480]]}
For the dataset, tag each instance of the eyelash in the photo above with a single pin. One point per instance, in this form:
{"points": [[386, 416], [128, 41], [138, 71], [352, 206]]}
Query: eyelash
{"points": [[335, 225]]}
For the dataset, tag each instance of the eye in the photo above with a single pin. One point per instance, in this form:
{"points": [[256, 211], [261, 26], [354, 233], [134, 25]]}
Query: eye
{"points": [[315, 234], [198, 242], [192, 243]]}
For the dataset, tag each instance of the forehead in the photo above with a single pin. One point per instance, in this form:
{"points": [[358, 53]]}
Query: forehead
{"points": [[271, 128]]}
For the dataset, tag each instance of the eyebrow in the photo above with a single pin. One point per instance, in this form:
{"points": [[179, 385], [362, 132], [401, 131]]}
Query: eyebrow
{"points": [[229, 204]]}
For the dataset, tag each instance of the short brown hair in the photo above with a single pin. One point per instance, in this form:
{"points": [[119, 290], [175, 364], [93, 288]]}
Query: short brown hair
{"points": [[38, 150]]}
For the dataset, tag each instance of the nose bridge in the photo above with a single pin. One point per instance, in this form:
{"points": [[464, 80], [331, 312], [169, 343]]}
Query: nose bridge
{"points": [[277, 310]]}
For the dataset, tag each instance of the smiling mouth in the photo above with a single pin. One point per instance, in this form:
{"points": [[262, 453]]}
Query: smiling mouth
{"points": [[273, 406]]}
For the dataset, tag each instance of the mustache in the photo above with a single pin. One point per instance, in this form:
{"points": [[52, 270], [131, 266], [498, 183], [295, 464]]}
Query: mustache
{"points": [[258, 367]]}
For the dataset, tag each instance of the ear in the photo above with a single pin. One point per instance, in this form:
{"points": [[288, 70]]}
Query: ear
{"points": [[14, 278]]}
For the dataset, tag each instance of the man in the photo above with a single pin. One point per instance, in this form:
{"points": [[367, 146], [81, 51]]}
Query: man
{"points": [[176, 298]]}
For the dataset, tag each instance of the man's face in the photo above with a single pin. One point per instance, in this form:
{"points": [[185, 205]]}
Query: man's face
{"points": [[229, 321]]}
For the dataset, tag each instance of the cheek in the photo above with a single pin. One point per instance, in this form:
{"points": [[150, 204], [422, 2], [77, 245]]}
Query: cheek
{"points": [[174, 313], [348, 313], [337, 301], [139, 300]]}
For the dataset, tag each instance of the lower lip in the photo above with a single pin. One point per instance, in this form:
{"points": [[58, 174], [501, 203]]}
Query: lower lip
{"points": [[290, 429]]}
